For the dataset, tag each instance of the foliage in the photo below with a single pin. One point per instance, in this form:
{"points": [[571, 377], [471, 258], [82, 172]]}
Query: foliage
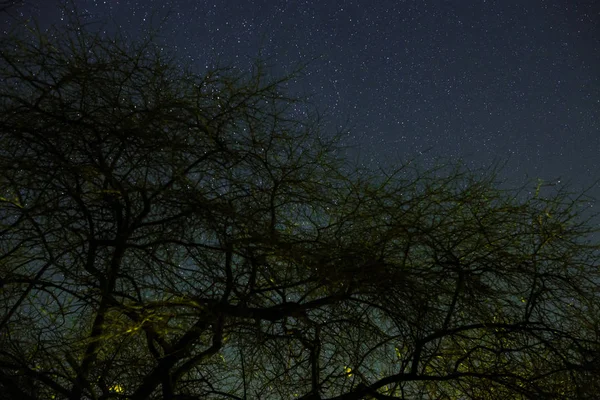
{"points": [[171, 234]]}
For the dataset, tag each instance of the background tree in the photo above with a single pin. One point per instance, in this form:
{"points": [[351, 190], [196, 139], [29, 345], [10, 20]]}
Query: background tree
{"points": [[7, 7], [169, 234]]}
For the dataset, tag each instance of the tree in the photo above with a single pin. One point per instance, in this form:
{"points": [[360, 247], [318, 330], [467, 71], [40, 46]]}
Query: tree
{"points": [[177, 235], [6, 5]]}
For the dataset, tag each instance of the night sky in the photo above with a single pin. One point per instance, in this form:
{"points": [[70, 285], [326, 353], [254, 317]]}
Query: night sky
{"points": [[481, 80]]}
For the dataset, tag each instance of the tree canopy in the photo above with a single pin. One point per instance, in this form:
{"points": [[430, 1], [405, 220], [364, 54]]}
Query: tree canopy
{"points": [[170, 234]]}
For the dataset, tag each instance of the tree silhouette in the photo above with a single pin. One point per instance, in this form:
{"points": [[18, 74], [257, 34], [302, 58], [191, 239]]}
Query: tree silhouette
{"points": [[180, 235]]}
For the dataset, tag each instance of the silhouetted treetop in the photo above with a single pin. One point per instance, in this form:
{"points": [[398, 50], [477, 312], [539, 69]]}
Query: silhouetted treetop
{"points": [[170, 234]]}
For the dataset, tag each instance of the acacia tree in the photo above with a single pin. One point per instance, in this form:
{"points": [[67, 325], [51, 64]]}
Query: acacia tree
{"points": [[169, 234]]}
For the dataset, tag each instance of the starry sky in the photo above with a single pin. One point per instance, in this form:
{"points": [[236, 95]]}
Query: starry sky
{"points": [[478, 80]]}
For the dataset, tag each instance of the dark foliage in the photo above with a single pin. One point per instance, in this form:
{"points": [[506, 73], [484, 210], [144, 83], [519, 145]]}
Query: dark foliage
{"points": [[167, 234]]}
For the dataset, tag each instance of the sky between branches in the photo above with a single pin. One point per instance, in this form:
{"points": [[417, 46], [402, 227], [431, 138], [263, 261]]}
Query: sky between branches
{"points": [[481, 80]]}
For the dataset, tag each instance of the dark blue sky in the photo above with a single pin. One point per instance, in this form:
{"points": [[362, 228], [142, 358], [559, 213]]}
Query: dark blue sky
{"points": [[481, 80]]}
